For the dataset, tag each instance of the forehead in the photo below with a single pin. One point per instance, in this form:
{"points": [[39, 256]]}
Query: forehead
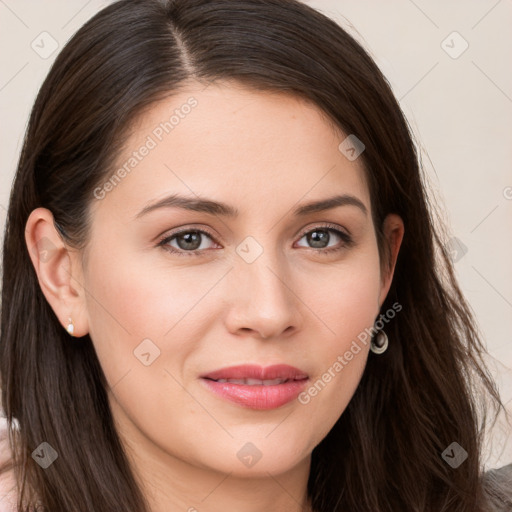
{"points": [[246, 147]]}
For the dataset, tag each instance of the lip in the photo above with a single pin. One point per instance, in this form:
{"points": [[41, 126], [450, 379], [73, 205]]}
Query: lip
{"points": [[260, 397], [252, 371]]}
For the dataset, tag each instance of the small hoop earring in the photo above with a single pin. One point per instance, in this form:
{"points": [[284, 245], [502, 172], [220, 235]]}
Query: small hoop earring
{"points": [[70, 328], [379, 343]]}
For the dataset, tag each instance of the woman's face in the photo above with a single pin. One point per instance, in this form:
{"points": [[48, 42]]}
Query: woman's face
{"points": [[164, 311]]}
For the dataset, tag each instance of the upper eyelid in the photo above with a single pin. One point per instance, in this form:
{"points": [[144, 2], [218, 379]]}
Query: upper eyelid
{"points": [[327, 226]]}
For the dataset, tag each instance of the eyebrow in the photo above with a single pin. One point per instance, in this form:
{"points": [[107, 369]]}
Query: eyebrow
{"points": [[218, 208]]}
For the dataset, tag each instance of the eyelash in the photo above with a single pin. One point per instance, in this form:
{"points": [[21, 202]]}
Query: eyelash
{"points": [[347, 240]]}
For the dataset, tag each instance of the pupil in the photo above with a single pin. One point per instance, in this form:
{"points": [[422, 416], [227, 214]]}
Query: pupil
{"points": [[192, 241], [319, 237]]}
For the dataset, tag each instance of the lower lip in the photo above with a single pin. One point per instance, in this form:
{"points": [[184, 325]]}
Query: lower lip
{"points": [[257, 397]]}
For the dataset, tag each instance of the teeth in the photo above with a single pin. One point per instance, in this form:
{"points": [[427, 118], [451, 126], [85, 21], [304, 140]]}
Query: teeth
{"points": [[254, 382]]}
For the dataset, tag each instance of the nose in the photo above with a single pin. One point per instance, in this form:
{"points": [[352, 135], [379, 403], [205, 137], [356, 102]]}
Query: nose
{"points": [[261, 298]]}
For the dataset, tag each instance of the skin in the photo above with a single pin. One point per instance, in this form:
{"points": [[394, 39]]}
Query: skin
{"points": [[264, 154]]}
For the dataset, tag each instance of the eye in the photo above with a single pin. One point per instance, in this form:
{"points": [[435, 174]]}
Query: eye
{"points": [[320, 237], [190, 242]]}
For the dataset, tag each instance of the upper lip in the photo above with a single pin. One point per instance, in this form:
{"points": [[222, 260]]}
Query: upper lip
{"points": [[277, 371]]}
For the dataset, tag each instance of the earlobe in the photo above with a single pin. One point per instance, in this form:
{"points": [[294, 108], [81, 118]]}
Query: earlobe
{"points": [[393, 229], [57, 270]]}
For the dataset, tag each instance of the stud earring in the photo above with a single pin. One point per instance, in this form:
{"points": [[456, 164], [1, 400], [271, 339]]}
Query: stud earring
{"points": [[379, 343], [70, 328]]}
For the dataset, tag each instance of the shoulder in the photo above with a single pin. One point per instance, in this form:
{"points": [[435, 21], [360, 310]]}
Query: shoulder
{"points": [[498, 489], [7, 481]]}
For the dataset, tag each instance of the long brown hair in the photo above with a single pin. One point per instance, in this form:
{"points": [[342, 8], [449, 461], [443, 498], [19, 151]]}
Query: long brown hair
{"points": [[429, 389]]}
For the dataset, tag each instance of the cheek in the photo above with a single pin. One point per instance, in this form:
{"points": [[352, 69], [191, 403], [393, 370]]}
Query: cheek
{"points": [[345, 299], [136, 306], [346, 310], [141, 321]]}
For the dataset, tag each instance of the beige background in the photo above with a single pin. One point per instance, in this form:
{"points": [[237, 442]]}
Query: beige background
{"points": [[459, 104]]}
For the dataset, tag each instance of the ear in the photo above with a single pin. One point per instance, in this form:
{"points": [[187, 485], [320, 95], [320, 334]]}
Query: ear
{"points": [[58, 268], [393, 229]]}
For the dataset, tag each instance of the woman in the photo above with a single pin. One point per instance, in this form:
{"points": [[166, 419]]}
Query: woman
{"points": [[169, 344]]}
